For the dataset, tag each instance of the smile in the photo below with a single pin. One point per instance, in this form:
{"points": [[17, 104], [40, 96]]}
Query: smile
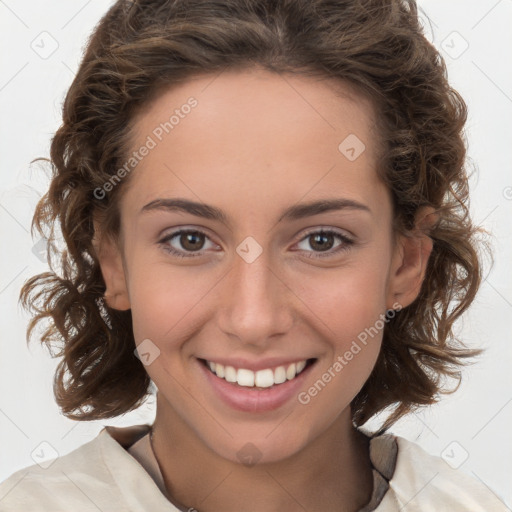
{"points": [[264, 378], [268, 386]]}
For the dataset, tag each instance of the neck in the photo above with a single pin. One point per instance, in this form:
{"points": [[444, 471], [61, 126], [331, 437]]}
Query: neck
{"points": [[333, 472]]}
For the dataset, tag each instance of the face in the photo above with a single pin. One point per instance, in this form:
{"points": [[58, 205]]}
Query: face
{"points": [[287, 257]]}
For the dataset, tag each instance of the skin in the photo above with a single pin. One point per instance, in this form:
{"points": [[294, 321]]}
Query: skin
{"points": [[256, 144]]}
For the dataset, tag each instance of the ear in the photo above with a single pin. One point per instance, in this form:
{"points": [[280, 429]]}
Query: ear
{"points": [[410, 259], [112, 269]]}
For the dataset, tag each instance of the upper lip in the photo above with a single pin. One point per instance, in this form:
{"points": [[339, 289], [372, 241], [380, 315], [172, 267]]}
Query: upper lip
{"points": [[261, 364]]}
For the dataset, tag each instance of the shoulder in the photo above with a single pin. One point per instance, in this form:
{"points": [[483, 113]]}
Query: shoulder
{"points": [[421, 481], [81, 478]]}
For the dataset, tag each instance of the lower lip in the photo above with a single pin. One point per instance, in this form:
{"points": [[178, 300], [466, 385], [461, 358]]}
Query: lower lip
{"points": [[252, 399]]}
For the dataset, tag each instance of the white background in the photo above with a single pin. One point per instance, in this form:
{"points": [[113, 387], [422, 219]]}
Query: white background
{"points": [[477, 418]]}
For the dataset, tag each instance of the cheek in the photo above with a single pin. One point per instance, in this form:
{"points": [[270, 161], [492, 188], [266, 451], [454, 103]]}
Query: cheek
{"points": [[162, 297], [348, 300], [348, 308]]}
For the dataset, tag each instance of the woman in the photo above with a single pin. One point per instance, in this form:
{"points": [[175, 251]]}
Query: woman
{"points": [[264, 207]]}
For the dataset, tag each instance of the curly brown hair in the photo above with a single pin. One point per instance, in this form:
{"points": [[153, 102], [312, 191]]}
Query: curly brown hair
{"points": [[141, 47]]}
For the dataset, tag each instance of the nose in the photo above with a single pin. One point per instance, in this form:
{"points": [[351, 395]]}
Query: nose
{"points": [[256, 302]]}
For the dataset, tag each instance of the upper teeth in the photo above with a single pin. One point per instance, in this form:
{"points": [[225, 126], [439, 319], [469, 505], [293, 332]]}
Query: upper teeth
{"points": [[261, 378]]}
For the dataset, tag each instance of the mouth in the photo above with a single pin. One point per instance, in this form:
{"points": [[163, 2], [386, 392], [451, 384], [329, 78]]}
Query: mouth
{"points": [[261, 379], [258, 391]]}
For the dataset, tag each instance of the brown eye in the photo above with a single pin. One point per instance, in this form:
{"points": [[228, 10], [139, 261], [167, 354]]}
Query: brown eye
{"points": [[322, 241], [191, 240], [185, 243]]}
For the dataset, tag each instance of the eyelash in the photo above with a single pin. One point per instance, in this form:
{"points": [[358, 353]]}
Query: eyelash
{"points": [[344, 246]]}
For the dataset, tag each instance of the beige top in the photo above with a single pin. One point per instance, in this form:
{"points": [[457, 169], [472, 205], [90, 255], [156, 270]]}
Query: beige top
{"points": [[117, 472]]}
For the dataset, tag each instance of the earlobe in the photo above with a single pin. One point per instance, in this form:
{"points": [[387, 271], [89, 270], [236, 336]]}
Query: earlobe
{"points": [[112, 269], [117, 301], [410, 260]]}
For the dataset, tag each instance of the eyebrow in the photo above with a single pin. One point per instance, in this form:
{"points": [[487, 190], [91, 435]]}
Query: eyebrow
{"points": [[295, 212]]}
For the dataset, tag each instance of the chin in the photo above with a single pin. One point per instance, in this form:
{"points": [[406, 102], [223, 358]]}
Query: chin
{"points": [[263, 448]]}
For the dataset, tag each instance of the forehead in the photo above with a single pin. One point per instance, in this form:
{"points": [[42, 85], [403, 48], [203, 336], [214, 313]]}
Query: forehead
{"points": [[255, 134]]}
